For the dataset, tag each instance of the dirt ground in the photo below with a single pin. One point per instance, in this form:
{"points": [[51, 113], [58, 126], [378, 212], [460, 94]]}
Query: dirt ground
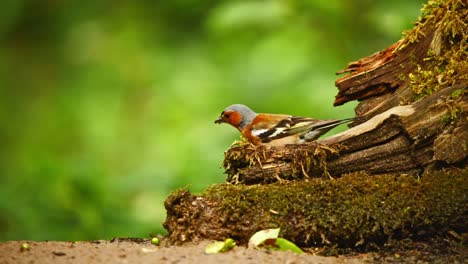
{"points": [[142, 251]]}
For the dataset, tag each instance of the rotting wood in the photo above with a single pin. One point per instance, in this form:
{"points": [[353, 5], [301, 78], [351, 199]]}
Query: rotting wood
{"points": [[402, 139], [352, 211], [412, 111], [408, 123]]}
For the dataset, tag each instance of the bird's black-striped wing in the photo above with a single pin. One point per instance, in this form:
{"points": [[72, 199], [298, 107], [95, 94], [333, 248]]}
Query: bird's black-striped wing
{"points": [[307, 128], [286, 127]]}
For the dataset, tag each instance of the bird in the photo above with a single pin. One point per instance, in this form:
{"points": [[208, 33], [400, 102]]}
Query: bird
{"points": [[275, 129]]}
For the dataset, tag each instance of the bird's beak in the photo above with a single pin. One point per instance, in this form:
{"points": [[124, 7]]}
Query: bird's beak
{"points": [[219, 120]]}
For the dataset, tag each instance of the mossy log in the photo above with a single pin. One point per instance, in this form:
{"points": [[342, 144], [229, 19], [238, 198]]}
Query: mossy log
{"points": [[353, 211], [430, 57], [403, 139], [412, 112], [399, 172]]}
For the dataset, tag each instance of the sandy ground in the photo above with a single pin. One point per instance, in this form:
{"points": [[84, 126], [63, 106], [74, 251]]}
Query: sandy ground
{"points": [[142, 251], [131, 251]]}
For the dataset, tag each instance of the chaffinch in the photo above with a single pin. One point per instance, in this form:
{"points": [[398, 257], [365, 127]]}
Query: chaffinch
{"points": [[275, 129]]}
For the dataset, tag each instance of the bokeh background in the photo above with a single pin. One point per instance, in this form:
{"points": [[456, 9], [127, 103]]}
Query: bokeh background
{"points": [[108, 106]]}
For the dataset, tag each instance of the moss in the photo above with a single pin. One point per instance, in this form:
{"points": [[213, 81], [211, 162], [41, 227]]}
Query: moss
{"points": [[453, 105], [450, 16], [446, 119], [445, 63], [458, 93], [440, 72], [304, 160], [355, 211], [241, 156]]}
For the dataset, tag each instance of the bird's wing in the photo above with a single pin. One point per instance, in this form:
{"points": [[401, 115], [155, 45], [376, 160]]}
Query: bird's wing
{"points": [[304, 127], [270, 127]]}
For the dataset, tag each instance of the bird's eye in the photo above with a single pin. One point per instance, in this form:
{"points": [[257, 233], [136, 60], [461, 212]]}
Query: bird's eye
{"points": [[227, 115]]}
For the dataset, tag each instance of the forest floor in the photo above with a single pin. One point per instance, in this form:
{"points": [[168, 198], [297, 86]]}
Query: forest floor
{"points": [[127, 250]]}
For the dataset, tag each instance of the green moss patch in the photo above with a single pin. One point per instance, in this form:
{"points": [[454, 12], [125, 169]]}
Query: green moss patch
{"points": [[250, 164], [445, 63], [355, 211]]}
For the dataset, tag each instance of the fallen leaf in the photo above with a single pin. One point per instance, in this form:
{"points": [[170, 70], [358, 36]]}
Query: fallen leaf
{"points": [[282, 244], [262, 235], [216, 247], [268, 239]]}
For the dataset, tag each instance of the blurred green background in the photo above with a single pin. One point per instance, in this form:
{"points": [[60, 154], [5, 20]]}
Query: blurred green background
{"points": [[108, 106]]}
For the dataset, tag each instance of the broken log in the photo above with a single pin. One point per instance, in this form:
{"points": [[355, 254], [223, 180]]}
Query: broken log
{"points": [[430, 57], [412, 112], [412, 119], [402, 139], [355, 210]]}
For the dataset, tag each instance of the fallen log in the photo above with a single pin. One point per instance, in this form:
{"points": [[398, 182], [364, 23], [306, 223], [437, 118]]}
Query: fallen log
{"points": [[403, 139], [419, 84], [399, 172], [355, 210]]}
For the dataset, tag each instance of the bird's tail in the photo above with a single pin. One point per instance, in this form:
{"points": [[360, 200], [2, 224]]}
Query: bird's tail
{"points": [[323, 127]]}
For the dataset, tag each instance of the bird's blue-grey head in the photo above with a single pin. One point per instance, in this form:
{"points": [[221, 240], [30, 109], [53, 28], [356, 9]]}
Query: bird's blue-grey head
{"points": [[238, 115]]}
